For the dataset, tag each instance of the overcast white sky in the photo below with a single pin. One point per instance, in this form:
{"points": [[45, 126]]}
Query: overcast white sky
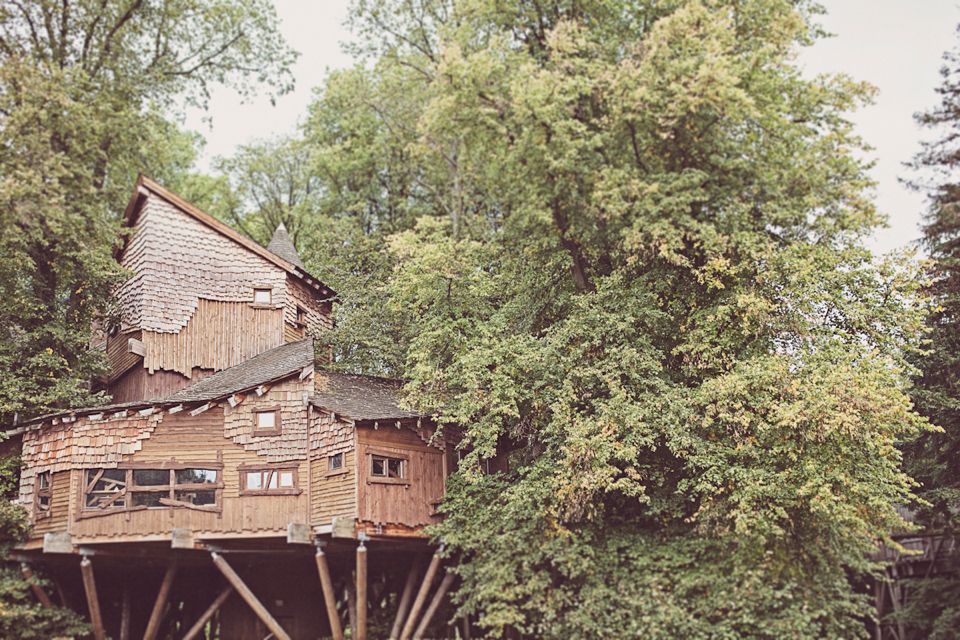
{"points": [[895, 45]]}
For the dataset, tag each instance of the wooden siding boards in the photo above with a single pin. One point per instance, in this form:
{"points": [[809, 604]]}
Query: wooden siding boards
{"points": [[332, 495], [410, 504]]}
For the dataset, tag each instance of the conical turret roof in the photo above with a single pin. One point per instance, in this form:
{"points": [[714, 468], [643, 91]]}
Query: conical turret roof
{"points": [[282, 245]]}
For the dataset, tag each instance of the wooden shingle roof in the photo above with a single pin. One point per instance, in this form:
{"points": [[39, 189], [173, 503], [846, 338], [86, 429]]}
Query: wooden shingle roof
{"points": [[282, 245], [359, 397], [271, 365]]}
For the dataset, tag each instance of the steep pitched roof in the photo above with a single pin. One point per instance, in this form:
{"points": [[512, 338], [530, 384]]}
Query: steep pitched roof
{"points": [[145, 186], [271, 365], [282, 245], [359, 397]]}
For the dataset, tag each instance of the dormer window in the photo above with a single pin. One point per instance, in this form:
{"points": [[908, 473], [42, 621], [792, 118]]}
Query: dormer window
{"points": [[261, 296]]}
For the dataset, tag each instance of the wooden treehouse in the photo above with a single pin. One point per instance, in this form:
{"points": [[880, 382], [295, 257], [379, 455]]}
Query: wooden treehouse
{"points": [[233, 489]]}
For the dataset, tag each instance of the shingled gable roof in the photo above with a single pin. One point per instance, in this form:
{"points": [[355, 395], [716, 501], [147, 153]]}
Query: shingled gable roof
{"points": [[359, 397], [145, 186], [281, 245], [270, 366]]}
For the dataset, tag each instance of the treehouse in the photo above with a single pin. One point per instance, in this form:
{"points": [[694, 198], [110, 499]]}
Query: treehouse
{"points": [[229, 461]]}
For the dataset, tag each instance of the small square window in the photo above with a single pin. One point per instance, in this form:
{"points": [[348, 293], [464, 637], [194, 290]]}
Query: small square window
{"points": [[336, 461], [261, 296], [266, 419]]}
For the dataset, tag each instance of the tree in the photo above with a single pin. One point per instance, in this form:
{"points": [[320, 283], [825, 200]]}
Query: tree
{"points": [[83, 87], [656, 303], [933, 458]]}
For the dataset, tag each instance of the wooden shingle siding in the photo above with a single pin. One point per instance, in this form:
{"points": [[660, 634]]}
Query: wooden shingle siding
{"points": [[219, 335], [291, 444], [178, 259], [86, 442], [121, 359], [318, 312]]}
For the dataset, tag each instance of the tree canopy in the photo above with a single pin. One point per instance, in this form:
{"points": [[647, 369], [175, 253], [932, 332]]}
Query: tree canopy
{"points": [[636, 271], [85, 89]]}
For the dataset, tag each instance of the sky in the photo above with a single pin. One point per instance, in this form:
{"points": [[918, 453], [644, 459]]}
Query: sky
{"points": [[895, 45]]}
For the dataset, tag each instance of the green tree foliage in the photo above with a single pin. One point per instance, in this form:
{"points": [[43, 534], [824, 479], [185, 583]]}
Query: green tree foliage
{"points": [[934, 458], [637, 272], [83, 86]]}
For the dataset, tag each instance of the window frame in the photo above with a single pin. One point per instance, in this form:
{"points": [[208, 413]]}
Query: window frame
{"points": [[43, 495], [260, 303], [404, 460], [172, 487], [295, 490], [276, 429]]}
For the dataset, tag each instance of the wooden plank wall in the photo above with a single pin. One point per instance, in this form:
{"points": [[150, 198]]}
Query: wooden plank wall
{"points": [[59, 506], [121, 359], [331, 494], [407, 504], [218, 336], [199, 439], [138, 384]]}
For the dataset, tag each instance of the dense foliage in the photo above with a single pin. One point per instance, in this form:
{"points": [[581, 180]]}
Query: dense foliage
{"points": [[626, 253], [934, 458], [83, 89]]}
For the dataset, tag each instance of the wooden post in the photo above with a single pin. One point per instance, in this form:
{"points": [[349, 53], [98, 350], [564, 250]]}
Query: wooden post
{"points": [[405, 601], [161, 603], [248, 595], [197, 628], [328, 597], [37, 589], [125, 613], [465, 627], [361, 592], [421, 595], [434, 604], [93, 603], [352, 602]]}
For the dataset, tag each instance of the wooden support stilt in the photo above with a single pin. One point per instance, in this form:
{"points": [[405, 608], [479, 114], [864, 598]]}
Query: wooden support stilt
{"points": [[421, 595], [434, 605], [352, 602], [249, 597], [38, 591], [328, 596], [361, 592], [156, 616], [93, 602], [198, 626], [465, 627], [405, 601], [125, 614]]}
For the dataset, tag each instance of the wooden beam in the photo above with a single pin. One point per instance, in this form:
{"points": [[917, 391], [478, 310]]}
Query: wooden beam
{"points": [[36, 588], [434, 604], [361, 592], [93, 603], [161, 603], [248, 595], [197, 628], [405, 601], [328, 596], [352, 602], [421, 595], [125, 613]]}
